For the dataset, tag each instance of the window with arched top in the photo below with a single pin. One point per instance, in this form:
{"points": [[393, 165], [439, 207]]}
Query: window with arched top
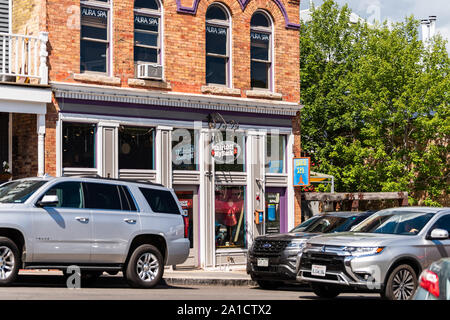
{"points": [[261, 50], [217, 45], [147, 31]]}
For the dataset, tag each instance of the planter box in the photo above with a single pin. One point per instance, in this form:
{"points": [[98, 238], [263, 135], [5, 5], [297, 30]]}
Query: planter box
{"points": [[5, 177]]}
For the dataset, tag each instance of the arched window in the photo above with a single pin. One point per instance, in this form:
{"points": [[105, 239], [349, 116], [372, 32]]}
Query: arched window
{"points": [[261, 50], [147, 31], [217, 45]]}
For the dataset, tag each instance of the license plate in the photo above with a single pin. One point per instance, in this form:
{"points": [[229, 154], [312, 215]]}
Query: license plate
{"points": [[318, 270], [262, 262]]}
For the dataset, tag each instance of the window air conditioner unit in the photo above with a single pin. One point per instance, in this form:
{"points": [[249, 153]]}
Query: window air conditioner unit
{"points": [[149, 71]]}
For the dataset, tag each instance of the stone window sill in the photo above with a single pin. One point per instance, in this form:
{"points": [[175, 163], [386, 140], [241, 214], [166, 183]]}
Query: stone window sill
{"points": [[97, 78], [219, 90], [262, 94], [149, 83]]}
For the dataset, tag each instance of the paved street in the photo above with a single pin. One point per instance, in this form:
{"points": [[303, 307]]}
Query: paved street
{"points": [[52, 287]]}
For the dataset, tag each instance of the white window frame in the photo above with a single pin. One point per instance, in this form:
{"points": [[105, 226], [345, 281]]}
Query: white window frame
{"points": [[270, 31], [153, 14], [107, 6], [222, 24]]}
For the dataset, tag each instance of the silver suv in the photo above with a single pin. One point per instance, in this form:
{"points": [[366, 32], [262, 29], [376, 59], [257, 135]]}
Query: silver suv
{"points": [[385, 253], [98, 225]]}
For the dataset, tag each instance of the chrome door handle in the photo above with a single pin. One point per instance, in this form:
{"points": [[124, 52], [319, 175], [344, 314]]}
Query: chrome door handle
{"points": [[82, 219], [130, 221]]}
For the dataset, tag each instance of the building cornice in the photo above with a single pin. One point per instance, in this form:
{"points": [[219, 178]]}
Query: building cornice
{"points": [[173, 99]]}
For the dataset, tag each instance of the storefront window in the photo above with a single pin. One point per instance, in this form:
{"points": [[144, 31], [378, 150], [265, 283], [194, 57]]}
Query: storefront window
{"points": [[228, 151], [275, 153], [230, 224], [184, 149], [136, 148], [79, 145]]}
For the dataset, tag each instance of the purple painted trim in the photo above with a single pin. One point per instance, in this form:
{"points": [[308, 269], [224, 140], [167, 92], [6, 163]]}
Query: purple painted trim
{"points": [[243, 4]]}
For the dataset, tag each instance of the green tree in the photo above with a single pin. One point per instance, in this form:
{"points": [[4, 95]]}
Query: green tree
{"points": [[376, 105]]}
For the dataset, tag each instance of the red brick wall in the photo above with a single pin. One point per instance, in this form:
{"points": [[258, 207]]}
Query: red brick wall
{"points": [[24, 146], [184, 44]]}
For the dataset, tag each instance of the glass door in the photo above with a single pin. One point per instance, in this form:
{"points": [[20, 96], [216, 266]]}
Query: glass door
{"points": [[188, 198], [275, 219]]}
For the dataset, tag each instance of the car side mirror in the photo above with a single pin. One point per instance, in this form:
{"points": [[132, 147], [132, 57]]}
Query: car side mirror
{"points": [[438, 234], [48, 201]]}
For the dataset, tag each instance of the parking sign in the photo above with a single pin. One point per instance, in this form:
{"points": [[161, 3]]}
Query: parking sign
{"points": [[302, 172]]}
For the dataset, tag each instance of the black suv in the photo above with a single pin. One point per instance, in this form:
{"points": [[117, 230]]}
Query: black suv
{"points": [[272, 258]]}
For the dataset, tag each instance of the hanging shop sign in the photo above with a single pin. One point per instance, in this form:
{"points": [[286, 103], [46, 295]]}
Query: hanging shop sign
{"points": [[225, 151], [302, 172]]}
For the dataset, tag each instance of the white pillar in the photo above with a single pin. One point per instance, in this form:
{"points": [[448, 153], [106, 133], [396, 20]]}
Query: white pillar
{"points": [[41, 144], [163, 151], [43, 54]]}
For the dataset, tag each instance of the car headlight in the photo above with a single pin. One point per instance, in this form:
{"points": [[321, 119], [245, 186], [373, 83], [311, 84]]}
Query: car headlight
{"points": [[295, 244], [364, 251]]}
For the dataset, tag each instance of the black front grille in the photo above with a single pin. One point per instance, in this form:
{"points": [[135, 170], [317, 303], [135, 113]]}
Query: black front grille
{"points": [[332, 262], [269, 246]]}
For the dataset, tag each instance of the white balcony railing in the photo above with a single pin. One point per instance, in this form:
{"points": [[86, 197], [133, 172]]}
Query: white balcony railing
{"points": [[24, 57]]}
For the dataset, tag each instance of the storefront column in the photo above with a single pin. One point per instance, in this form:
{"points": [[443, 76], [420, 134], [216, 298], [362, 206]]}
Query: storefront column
{"points": [[41, 144], [207, 207], [163, 151], [255, 182]]}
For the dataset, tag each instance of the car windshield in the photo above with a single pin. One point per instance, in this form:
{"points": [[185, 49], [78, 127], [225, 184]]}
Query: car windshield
{"points": [[301, 227], [395, 222], [19, 191]]}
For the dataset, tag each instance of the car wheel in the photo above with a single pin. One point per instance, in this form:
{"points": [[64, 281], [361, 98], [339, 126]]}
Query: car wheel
{"points": [[401, 284], [269, 285], [9, 261], [325, 290], [145, 267]]}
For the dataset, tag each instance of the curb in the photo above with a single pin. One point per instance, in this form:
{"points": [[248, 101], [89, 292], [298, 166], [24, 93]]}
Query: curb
{"points": [[212, 282]]}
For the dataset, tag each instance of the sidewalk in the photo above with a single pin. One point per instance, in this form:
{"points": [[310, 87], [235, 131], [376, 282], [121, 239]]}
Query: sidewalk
{"points": [[236, 277], [208, 277]]}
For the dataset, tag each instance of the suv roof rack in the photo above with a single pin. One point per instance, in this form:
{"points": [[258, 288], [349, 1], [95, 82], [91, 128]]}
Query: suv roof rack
{"points": [[96, 176]]}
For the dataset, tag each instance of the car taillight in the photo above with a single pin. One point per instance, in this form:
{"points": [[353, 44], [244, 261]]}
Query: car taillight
{"points": [[430, 282], [186, 226]]}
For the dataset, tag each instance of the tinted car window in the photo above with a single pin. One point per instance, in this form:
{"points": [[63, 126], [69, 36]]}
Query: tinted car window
{"points": [[102, 196], [70, 195], [442, 223], [126, 199], [160, 201]]}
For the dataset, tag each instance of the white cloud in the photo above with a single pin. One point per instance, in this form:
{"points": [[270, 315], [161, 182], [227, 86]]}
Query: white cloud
{"points": [[398, 10]]}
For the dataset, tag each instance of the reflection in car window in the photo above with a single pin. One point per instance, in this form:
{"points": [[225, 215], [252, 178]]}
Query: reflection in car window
{"points": [[19, 191], [325, 224], [301, 227], [70, 195], [395, 222]]}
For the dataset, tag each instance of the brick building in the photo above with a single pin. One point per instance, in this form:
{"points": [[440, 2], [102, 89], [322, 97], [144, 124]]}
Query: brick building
{"points": [[198, 95]]}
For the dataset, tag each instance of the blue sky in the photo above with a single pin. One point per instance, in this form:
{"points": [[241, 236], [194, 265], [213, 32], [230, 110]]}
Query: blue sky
{"points": [[397, 10]]}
